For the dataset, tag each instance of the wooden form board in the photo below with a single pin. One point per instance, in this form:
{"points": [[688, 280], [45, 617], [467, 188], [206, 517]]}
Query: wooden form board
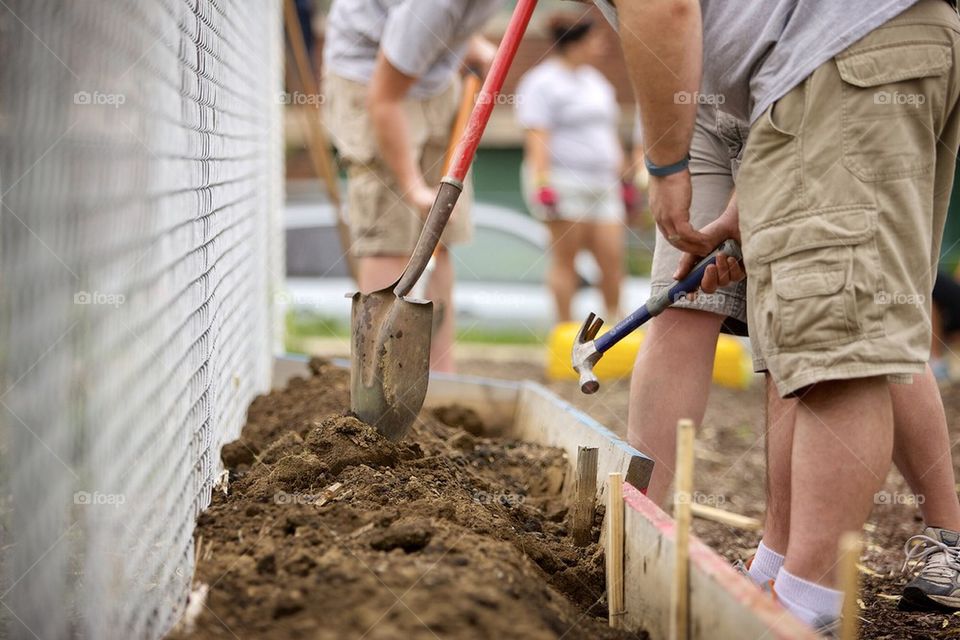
{"points": [[723, 604], [545, 419]]}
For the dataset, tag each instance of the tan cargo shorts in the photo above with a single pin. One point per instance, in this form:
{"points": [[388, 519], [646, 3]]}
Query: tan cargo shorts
{"points": [[381, 222], [843, 192], [715, 155]]}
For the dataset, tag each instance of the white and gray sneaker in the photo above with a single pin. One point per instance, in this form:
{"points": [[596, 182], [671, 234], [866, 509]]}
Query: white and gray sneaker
{"points": [[935, 555]]}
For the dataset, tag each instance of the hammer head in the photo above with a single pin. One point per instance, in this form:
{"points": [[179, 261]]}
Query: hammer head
{"points": [[585, 354]]}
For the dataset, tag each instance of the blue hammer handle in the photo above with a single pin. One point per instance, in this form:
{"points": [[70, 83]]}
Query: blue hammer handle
{"points": [[656, 304]]}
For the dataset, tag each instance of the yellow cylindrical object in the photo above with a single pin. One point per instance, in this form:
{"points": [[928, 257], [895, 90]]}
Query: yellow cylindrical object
{"points": [[732, 364]]}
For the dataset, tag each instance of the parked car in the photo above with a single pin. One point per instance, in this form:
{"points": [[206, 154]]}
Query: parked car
{"points": [[500, 276]]}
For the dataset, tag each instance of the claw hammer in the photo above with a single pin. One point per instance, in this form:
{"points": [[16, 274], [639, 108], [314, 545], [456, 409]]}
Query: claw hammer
{"points": [[588, 349]]}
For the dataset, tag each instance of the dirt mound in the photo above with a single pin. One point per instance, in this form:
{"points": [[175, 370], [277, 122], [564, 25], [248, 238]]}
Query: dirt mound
{"points": [[331, 531]]}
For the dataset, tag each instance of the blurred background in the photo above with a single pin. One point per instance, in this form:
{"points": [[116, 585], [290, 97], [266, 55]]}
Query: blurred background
{"points": [[500, 293]]}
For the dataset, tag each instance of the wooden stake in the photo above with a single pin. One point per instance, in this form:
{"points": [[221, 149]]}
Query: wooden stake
{"points": [[585, 495], [615, 549], [728, 518], [850, 547], [683, 487]]}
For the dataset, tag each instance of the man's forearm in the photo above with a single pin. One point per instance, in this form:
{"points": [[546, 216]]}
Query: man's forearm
{"points": [[663, 44], [392, 131]]}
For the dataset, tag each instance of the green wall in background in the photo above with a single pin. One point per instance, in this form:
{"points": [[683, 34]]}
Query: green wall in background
{"points": [[496, 177]]}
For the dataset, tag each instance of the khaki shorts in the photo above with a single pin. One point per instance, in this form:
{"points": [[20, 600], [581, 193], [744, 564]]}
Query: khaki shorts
{"points": [[843, 192], [381, 222], [715, 152]]}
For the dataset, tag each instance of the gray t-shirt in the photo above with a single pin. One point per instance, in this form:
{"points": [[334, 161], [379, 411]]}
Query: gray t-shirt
{"points": [[425, 39], [754, 53]]}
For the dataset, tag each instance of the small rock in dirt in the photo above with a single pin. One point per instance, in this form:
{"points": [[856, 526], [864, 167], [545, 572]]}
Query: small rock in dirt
{"points": [[267, 564], [237, 453], [463, 441], [288, 604], [411, 537], [301, 564]]}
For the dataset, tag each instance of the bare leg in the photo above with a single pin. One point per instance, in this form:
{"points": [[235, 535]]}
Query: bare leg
{"points": [[440, 290], [565, 242], [780, 419], [842, 447], [605, 240], [662, 393], [377, 272], [921, 449]]}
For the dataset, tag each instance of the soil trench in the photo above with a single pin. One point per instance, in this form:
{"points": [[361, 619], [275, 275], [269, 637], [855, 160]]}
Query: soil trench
{"points": [[327, 530]]}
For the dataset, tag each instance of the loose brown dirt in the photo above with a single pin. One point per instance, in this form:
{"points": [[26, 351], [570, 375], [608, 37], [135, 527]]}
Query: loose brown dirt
{"points": [[730, 474], [329, 531]]}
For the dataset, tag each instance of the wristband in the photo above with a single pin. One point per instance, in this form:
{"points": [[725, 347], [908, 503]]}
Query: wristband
{"points": [[667, 170]]}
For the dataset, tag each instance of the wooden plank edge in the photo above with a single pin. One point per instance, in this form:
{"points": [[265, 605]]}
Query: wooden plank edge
{"points": [[639, 467], [780, 623]]}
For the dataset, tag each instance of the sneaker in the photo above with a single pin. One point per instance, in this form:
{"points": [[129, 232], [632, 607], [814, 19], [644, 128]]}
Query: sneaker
{"points": [[936, 554]]}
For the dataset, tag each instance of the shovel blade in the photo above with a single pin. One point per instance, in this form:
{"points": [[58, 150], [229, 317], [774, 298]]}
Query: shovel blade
{"points": [[390, 360]]}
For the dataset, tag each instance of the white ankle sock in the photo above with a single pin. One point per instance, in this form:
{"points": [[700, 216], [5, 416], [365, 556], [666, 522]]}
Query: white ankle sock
{"points": [[765, 565], [810, 602]]}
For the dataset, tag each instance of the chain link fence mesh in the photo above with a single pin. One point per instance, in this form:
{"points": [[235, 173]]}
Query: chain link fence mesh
{"points": [[140, 250]]}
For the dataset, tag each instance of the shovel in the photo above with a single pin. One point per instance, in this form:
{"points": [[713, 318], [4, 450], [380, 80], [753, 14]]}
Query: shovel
{"points": [[390, 333], [588, 349]]}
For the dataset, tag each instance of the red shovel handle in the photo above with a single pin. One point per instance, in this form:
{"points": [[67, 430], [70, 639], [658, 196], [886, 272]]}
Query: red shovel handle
{"points": [[487, 98], [452, 184]]}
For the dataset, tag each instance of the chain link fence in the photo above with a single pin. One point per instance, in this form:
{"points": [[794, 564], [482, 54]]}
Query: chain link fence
{"points": [[140, 250]]}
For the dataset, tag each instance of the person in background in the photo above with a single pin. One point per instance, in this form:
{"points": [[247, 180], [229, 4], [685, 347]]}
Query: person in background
{"points": [[573, 161], [392, 91]]}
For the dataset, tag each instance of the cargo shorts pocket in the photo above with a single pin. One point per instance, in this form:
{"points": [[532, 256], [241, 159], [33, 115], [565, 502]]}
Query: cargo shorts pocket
{"points": [[889, 95], [823, 271]]}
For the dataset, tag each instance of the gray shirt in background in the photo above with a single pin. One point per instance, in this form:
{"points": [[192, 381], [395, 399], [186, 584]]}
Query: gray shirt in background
{"points": [[425, 39], [755, 52]]}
